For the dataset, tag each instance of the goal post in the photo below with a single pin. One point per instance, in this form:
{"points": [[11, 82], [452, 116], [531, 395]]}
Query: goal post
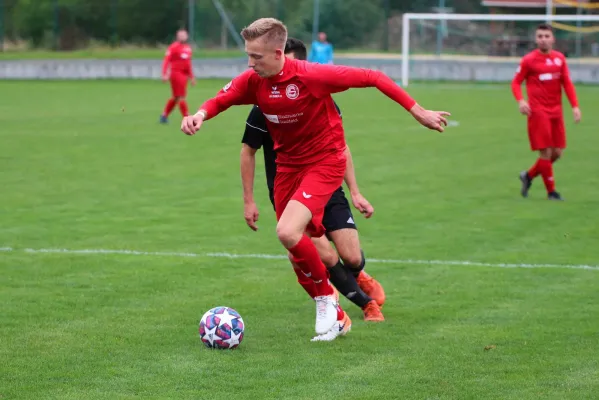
{"points": [[409, 18]]}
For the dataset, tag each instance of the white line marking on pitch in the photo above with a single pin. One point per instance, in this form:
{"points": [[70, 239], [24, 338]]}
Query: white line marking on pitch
{"points": [[283, 257]]}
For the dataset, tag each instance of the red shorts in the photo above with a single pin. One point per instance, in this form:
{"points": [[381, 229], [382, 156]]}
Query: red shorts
{"points": [[179, 84], [312, 186], [545, 131]]}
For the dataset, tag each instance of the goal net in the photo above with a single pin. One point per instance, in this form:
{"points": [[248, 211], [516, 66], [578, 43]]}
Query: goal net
{"points": [[437, 44]]}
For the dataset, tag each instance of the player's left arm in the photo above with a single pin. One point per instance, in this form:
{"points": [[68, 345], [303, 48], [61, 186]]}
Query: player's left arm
{"points": [[358, 200], [570, 91], [327, 79], [192, 77]]}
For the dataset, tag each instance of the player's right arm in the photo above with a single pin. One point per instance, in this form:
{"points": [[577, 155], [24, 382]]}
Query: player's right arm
{"points": [[521, 74], [241, 90], [358, 200], [252, 141], [166, 63], [327, 79], [248, 168]]}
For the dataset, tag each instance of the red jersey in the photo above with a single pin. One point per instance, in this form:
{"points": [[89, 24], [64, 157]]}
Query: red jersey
{"points": [[545, 74], [178, 57], [301, 115]]}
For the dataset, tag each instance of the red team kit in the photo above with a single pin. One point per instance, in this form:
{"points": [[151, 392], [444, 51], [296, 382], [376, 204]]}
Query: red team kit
{"points": [[544, 74], [310, 143]]}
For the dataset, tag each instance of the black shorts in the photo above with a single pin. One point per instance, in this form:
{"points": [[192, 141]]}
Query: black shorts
{"points": [[337, 213]]}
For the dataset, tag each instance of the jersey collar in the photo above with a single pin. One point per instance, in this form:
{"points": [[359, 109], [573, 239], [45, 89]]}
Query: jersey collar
{"points": [[285, 73]]}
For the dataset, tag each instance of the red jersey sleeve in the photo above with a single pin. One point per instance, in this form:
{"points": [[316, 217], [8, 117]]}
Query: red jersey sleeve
{"points": [[568, 85], [327, 79], [241, 90], [167, 60], [521, 74]]}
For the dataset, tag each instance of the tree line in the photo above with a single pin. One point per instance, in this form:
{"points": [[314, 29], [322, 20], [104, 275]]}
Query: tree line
{"points": [[70, 24]]}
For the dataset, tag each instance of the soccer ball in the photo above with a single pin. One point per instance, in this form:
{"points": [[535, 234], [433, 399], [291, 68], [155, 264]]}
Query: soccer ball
{"points": [[221, 328]]}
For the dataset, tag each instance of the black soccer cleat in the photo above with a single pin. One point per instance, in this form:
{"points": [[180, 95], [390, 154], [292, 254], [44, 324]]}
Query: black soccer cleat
{"points": [[526, 183], [554, 196]]}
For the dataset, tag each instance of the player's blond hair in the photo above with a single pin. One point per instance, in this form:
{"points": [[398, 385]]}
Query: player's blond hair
{"points": [[270, 29]]}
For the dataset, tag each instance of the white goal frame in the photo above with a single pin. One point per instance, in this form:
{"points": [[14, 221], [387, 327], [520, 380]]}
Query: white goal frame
{"points": [[408, 17]]}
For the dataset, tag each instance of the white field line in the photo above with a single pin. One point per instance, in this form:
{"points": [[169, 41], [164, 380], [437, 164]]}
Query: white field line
{"points": [[283, 257]]}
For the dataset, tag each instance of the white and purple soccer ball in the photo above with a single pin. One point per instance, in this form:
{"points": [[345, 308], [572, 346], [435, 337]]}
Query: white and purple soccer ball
{"points": [[221, 328]]}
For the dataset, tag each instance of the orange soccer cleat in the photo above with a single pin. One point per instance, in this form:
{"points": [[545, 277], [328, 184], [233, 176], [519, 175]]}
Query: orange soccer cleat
{"points": [[371, 287], [372, 312]]}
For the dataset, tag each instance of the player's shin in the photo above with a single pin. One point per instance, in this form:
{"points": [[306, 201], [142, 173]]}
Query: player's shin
{"points": [[183, 107], [307, 258], [170, 105], [306, 282], [347, 285], [547, 174]]}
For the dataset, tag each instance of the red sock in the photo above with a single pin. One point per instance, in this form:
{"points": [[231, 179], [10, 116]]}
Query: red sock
{"points": [[546, 168], [340, 313], [170, 104], [307, 258], [535, 170], [183, 108], [307, 283]]}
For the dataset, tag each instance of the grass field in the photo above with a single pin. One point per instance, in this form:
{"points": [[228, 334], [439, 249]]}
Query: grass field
{"points": [[85, 166]]}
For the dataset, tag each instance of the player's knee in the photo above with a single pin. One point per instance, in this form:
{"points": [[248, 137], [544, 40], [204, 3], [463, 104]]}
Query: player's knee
{"points": [[557, 153], [352, 258], [546, 153], [329, 258], [288, 236]]}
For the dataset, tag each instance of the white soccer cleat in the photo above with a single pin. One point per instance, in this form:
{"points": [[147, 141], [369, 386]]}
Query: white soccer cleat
{"points": [[340, 328], [326, 313]]}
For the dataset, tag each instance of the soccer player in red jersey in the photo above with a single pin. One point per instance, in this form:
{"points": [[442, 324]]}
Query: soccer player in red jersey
{"points": [[346, 261], [178, 58], [295, 97], [545, 72]]}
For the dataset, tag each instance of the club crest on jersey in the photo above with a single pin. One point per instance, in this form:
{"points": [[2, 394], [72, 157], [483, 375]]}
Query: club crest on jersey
{"points": [[558, 62], [292, 92]]}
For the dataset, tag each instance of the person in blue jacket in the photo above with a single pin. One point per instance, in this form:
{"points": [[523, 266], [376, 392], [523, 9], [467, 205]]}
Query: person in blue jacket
{"points": [[321, 51]]}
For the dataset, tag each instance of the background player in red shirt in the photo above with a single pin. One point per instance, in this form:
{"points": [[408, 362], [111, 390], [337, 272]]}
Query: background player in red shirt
{"points": [[545, 72], [295, 97], [177, 69]]}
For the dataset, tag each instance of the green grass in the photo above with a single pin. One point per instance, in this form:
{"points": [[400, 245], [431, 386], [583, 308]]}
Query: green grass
{"points": [[84, 165]]}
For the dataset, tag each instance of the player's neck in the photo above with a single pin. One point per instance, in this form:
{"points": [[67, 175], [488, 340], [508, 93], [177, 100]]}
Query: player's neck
{"points": [[281, 66], [545, 52]]}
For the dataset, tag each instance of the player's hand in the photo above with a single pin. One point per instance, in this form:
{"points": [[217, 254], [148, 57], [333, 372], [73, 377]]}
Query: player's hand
{"points": [[434, 120], [193, 81], [524, 107], [165, 78], [192, 123], [251, 215], [577, 114], [362, 205]]}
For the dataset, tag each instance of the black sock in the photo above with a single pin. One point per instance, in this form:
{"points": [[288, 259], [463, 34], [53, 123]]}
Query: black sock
{"points": [[356, 269], [346, 283]]}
